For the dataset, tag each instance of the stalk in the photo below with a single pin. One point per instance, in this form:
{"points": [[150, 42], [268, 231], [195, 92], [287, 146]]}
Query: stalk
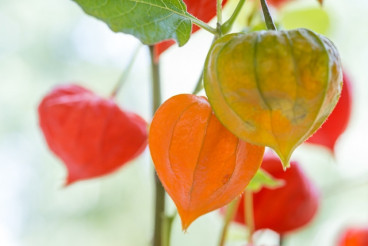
{"points": [[167, 229], [249, 216], [199, 85], [268, 18], [281, 240], [125, 73], [219, 12], [230, 213], [226, 27], [201, 24], [159, 190]]}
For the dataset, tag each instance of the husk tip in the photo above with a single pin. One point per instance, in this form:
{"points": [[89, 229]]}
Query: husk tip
{"points": [[69, 181], [186, 220], [285, 161]]}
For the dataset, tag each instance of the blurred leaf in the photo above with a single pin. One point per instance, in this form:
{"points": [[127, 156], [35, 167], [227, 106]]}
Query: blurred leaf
{"points": [[316, 19], [151, 21], [264, 179], [261, 25]]}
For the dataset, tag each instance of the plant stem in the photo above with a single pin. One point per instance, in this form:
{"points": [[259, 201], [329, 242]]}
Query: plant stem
{"points": [[160, 192], [125, 73], [219, 12], [252, 14], [281, 240], [167, 229], [199, 85], [226, 27], [249, 216], [201, 24], [268, 18], [230, 212]]}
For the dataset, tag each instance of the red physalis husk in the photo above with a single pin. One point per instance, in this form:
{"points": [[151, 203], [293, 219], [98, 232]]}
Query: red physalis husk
{"points": [[90, 134], [337, 122], [354, 236], [204, 10], [201, 165], [283, 209]]}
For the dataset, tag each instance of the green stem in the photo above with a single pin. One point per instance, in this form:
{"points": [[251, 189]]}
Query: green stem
{"points": [[230, 213], [160, 192], [201, 24], [219, 12], [249, 216], [199, 85], [125, 73], [268, 18], [167, 229], [252, 14], [281, 240], [226, 27]]}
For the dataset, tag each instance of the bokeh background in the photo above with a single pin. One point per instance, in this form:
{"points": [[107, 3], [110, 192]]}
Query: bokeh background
{"points": [[45, 43]]}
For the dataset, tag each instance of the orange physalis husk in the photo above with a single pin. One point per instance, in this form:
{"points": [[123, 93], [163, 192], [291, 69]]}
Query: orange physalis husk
{"points": [[201, 165]]}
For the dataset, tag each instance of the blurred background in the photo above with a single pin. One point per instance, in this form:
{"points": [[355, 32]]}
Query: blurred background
{"points": [[46, 43]]}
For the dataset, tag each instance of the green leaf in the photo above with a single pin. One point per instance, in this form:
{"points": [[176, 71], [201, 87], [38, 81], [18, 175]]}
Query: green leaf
{"points": [[264, 179], [151, 21]]}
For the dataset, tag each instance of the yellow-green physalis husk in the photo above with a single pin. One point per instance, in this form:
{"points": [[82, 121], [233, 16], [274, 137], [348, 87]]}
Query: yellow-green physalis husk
{"points": [[273, 88]]}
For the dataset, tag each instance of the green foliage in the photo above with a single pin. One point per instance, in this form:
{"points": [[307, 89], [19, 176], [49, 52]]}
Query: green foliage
{"points": [[151, 21], [314, 18], [264, 179]]}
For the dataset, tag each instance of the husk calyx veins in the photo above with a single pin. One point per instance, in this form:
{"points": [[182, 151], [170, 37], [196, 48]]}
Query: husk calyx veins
{"points": [[273, 88]]}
